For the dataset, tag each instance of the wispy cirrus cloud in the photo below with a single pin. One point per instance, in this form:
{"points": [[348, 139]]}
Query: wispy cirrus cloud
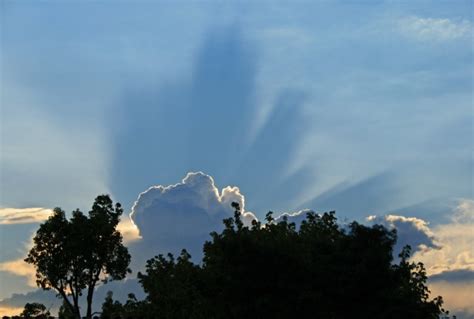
{"points": [[435, 29]]}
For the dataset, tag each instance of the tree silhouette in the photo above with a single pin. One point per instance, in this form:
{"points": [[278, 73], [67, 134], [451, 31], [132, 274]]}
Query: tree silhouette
{"points": [[114, 309], [35, 310], [72, 256], [278, 270], [65, 312]]}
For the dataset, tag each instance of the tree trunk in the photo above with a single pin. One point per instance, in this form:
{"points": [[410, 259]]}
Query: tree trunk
{"points": [[73, 308], [89, 302]]}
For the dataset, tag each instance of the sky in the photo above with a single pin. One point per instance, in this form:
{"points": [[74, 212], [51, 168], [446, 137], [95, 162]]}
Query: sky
{"points": [[176, 109]]}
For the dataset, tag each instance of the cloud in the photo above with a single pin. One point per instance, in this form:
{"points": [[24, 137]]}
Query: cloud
{"points": [[457, 297], [434, 29], [442, 248], [447, 253], [462, 275], [121, 289], [129, 230], [23, 215], [209, 118], [456, 238], [19, 267], [170, 218], [10, 311], [295, 217], [9, 217], [163, 219], [464, 212], [46, 297], [411, 231]]}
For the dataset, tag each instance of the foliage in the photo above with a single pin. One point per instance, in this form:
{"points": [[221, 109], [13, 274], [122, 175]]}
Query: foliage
{"points": [[65, 312], [114, 309], [279, 270], [73, 256], [35, 310]]}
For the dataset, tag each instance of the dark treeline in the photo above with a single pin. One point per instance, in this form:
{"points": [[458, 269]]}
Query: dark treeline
{"points": [[317, 269]]}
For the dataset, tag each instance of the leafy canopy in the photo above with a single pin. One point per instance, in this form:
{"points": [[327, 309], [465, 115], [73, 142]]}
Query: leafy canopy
{"points": [[35, 310], [279, 270], [73, 256]]}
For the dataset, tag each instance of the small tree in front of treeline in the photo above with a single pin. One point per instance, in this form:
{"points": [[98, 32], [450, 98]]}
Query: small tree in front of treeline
{"points": [[65, 312], [73, 256], [35, 310], [115, 309]]}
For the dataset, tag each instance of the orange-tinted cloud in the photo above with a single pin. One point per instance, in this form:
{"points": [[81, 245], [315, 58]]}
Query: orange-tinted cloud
{"points": [[10, 216], [129, 230], [458, 296], [457, 243], [10, 311], [20, 268]]}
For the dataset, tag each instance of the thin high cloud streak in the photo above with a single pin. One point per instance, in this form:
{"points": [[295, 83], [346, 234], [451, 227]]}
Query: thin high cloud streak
{"points": [[12, 216], [432, 29]]}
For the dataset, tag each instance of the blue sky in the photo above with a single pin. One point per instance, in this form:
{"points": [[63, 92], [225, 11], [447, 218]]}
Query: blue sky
{"points": [[363, 107]]}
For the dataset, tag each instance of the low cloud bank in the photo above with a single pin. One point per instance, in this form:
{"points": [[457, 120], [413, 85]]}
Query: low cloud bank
{"points": [[14, 304]]}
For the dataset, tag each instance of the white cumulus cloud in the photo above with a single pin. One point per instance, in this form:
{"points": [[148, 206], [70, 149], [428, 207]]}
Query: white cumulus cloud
{"points": [[410, 230], [170, 218], [442, 248], [448, 253], [457, 240]]}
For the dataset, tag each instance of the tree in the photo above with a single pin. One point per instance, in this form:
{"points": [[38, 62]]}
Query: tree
{"points": [[73, 256], [65, 312], [35, 310], [281, 270], [115, 309], [111, 309], [173, 288]]}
